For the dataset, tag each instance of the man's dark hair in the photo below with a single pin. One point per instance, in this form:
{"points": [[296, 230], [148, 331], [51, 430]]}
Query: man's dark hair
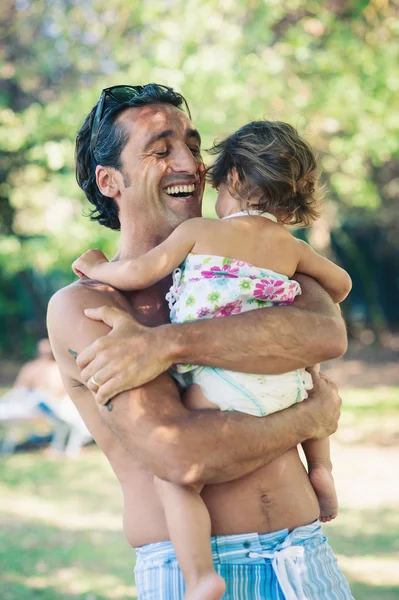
{"points": [[111, 140]]}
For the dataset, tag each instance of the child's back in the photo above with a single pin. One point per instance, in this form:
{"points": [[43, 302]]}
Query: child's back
{"points": [[257, 239]]}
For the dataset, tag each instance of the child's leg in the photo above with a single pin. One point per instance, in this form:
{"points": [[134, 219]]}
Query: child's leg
{"points": [[317, 454], [189, 528], [195, 399], [189, 524]]}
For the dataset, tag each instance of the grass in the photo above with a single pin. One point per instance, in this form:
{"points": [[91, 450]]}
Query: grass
{"points": [[61, 529], [61, 525], [370, 416]]}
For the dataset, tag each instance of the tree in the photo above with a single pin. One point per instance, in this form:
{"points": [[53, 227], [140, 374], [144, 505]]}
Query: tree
{"points": [[330, 68]]}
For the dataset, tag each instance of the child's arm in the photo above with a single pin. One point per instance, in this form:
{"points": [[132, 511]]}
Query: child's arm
{"points": [[334, 280], [143, 271]]}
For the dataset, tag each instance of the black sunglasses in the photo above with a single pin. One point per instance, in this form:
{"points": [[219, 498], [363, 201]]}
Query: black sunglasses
{"points": [[120, 93]]}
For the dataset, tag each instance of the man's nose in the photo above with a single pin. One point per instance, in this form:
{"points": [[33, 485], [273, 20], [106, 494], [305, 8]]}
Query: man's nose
{"points": [[183, 161]]}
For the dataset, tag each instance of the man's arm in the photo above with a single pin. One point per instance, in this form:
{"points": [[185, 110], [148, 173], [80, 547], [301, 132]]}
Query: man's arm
{"points": [[212, 446], [177, 444], [270, 341]]}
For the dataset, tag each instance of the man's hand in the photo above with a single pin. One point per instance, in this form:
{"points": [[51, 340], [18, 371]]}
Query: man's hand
{"points": [[87, 263], [325, 405], [129, 356]]}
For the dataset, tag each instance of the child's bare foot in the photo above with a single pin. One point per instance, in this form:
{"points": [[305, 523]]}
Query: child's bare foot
{"points": [[209, 587], [323, 484]]}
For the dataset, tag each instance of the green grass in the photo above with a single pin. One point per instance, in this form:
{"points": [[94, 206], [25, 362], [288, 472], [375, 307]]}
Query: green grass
{"points": [[377, 401], [370, 416], [61, 524], [366, 543]]}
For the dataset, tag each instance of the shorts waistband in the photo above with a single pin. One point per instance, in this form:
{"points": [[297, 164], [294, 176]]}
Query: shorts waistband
{"points": [[242, 547]]}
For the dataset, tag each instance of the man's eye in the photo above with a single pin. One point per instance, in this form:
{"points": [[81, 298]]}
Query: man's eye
{"points": [[195, 151], [162, 153]]}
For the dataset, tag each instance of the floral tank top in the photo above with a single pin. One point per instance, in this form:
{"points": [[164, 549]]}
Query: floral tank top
{"points": [[207, 287]]}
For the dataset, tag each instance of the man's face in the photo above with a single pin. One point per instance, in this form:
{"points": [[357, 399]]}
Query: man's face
{"points": [[162, 165]]}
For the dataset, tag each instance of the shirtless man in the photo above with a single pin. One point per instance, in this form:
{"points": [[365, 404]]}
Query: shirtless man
{"points": [[135, 145]]}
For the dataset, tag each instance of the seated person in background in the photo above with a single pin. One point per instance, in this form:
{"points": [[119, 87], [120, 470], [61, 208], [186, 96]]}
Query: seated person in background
{"points": [[42, 373], [39, 380], [38, 392]]}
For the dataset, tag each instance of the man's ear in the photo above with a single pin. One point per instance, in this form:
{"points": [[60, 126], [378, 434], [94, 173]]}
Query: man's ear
{"points": [[106, 181]]}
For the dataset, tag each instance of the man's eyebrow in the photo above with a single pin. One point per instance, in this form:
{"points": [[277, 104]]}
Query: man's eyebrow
{"points": [[194, 133], [168, 133], [159, 136]]}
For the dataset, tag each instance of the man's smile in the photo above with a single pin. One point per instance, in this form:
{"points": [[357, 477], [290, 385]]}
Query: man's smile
{"points": [[180, 191], [183, 191]]}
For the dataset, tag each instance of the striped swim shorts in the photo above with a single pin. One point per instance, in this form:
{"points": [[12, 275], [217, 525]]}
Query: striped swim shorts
{"points": [[275, 566]]}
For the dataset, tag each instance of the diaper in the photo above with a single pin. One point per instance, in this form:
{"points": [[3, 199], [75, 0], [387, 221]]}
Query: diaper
{"points": [[257, 395]]}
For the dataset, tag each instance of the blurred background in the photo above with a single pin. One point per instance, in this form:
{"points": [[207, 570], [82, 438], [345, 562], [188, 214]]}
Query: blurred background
{"points": [[329, 68]]}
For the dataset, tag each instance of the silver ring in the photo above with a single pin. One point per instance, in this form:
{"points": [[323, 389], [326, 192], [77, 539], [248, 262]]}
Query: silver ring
{"points": [[92, 380]]}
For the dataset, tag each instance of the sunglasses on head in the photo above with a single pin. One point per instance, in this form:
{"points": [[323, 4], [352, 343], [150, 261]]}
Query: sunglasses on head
{"points": [[120, 93]]}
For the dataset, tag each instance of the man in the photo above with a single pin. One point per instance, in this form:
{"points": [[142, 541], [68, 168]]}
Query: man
{"points": [[137, 144]]}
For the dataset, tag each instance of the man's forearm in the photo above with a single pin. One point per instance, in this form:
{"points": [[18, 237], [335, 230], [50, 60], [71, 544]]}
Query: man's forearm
{"points": [[271, 341], [211, 446], [224, 458]]}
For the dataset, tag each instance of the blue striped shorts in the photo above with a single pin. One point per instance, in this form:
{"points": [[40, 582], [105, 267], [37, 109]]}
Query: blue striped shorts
{"points": [[275, 566]]}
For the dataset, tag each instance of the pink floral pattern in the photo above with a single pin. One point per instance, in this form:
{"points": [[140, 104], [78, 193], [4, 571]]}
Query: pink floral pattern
{"points": [[224, 271], [269, 289], [203, 312], [232, 308], [239, 263], [210, 287]]}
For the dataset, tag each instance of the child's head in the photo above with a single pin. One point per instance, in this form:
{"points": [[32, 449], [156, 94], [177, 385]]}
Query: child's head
{"points": [[268, 167]]}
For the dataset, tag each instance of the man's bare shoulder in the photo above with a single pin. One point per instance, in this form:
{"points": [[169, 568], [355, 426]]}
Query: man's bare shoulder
{"points": [[81, 294], [70, 331]]}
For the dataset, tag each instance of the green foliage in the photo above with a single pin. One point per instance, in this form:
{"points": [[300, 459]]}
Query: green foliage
{"points": [[329, 68]]}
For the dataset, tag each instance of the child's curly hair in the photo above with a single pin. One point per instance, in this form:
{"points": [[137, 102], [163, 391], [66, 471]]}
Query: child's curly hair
{"points": [[270, 156]]}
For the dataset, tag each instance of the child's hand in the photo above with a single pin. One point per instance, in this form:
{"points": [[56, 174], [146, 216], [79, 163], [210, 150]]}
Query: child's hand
{"points": [[86, 264]]}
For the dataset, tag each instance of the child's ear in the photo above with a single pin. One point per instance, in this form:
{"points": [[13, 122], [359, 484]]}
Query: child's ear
{"points": [[233, 179]]}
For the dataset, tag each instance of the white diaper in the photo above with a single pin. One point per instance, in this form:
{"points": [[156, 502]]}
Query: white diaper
{"points": [[257, 395]]}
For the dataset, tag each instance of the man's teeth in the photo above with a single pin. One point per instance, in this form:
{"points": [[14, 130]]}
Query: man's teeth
{"points": [[179, 189]]}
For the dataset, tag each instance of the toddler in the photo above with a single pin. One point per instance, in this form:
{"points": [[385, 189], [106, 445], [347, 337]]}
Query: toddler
{"points": [[266, 177]]}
